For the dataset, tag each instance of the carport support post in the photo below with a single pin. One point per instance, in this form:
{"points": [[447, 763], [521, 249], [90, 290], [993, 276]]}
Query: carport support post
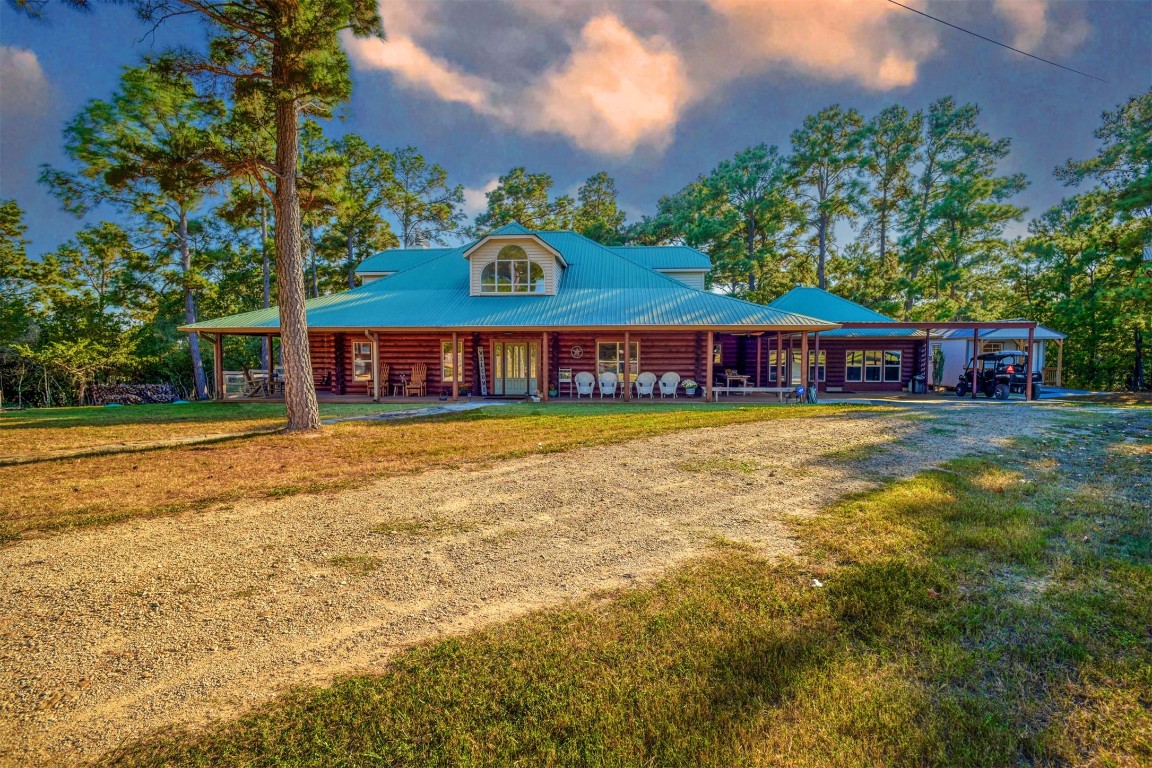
{"points": [[456, 366], [1031, 363], [628, 365], [975, 353], [218, 359], [708, 371], [1060, 362]]}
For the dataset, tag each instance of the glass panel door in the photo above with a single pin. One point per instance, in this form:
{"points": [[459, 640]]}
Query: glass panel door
{"points": [[514, 368]]}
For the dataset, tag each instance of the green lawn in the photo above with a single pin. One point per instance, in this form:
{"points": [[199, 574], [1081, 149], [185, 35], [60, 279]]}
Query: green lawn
{"points": [[995, 612]]}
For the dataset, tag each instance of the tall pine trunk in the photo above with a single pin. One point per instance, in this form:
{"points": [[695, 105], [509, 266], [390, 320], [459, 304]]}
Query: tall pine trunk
{"points": [[299, 388], [198, 379], [1138, 368], [822, 229], [751, 241], [265, 343], [351, 262]]}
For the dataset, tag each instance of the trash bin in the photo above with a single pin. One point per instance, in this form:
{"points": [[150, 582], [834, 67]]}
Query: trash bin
{"points": [[919, 385]]}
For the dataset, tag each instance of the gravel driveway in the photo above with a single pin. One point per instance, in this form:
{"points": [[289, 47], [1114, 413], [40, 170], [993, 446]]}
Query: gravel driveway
{"points": [[107, 633]]}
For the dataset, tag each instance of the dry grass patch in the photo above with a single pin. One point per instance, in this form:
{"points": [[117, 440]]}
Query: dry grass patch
{"points": [[103, 489], [44, 431], [434, 527], [361, 565], [720, 464]]}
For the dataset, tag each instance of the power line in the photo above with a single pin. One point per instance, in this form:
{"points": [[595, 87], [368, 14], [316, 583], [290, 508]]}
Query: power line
{"points": [[997, 42]]}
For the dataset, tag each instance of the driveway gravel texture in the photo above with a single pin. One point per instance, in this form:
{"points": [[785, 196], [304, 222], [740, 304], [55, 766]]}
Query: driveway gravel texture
{"points": [[108, 633]]}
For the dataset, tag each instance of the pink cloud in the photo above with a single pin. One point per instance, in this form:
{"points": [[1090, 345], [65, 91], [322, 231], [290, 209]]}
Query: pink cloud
{"points": [[832, 39], [614, 92]]}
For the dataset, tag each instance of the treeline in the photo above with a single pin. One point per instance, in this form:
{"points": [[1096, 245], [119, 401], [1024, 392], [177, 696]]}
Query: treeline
{"points": [[905, 211]]}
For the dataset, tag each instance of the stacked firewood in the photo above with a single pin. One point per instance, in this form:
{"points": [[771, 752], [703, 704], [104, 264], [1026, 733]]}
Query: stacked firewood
{"points": [[133, 394]]}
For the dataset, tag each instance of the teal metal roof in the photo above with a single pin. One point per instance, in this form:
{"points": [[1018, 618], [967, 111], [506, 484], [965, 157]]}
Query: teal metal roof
{"points": [[598, 288], [816, 302], [398, 259], [665, 256]]}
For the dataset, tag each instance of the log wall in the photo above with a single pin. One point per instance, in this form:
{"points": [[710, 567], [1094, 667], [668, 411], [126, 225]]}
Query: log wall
{"points": [[682, 352], [322, 349], [837, 349]]}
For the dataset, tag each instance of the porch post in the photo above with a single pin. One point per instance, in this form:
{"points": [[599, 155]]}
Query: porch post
{"points": [[759, 350], [1031, 362], [975, 353], [627, 365], [816, 364], [375, 365], [542, 359], [218, 359], [791, 353], [779, 359], [1060, 362], [804, 360], [927, 359], [708, 371], [268, 370], [456, 372]]}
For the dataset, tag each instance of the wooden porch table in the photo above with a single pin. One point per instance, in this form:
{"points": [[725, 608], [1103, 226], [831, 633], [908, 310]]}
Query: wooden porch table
{"points": [[779, 391]]}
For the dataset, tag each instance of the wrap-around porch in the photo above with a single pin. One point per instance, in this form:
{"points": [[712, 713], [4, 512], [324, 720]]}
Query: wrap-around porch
{"points": [[380, 365]]}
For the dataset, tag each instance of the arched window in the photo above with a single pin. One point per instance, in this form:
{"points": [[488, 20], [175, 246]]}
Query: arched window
{"points": [[512, 272]]}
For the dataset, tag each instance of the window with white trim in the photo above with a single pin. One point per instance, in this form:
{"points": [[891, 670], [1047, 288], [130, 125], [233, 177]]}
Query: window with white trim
{"points": [[892, 365], [610, 357], [451, 369], [817, 365], [361, 360], [512, 272], [854, 365], [872, 366], [772, 369]]}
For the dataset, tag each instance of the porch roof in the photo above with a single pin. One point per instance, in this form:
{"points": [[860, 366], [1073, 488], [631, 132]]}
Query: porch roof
{"points": [[816, 302], [598, 289]]}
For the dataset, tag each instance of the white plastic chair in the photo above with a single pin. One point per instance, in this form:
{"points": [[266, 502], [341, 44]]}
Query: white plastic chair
{"points": [[645, 382], [608, 382], [668, 384], [584, 383]]}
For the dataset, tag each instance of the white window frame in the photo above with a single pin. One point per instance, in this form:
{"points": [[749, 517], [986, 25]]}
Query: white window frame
{"points": [[873, 366], [898, 365], [616, 365], [446, 361], [858, 354], [508, 259], [817, 365], [362, 361]]}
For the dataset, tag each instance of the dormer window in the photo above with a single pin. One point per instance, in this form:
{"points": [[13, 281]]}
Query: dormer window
{"points": [[512, 272]]}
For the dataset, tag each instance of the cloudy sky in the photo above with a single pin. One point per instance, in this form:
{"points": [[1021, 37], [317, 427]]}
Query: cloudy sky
{"points": [[655, 93]]}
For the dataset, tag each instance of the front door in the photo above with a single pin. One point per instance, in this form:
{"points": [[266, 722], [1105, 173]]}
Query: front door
{"points": [[514, 366]]}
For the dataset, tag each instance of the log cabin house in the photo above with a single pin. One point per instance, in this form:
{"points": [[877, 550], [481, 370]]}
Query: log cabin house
{"points": [[520, 312]]}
